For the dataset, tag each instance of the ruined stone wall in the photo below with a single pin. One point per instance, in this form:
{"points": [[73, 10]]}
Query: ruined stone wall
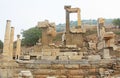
{"points": [[57, 68], [62, 70], [75, 39], [59, 71]]}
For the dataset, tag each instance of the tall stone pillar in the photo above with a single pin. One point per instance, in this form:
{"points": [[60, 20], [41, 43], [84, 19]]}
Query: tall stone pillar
{"points": [[44, 36], [6, 47], [18, 47], [67, 19], [11, 42], [79, 18], [100, 28], [67, 22]]}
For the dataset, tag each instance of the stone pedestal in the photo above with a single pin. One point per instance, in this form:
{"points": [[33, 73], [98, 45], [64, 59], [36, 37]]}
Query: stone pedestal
{"points": [[106, 53]]}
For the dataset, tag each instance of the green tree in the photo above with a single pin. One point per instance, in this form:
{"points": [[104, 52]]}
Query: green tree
{"points": [[31, 36], [1, 44], [116, 22]]}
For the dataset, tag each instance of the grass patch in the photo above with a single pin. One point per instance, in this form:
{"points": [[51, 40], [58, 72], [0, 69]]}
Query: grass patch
{"points": [[117, 32], [90, 32]]}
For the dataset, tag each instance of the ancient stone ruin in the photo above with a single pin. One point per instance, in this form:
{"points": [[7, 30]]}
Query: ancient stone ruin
{"points": [[48, 32], [72, 59], [73, 37]]}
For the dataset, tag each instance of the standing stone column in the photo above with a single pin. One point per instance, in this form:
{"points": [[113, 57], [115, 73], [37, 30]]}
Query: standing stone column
{"points": [[44, 36], [100, 28], [18, 47], [11, 42], [67, 19], [79, 18], [6, 47]]}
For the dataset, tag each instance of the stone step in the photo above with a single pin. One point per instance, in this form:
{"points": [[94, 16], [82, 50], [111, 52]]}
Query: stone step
{"points": [[75, 57], [48, 57]]}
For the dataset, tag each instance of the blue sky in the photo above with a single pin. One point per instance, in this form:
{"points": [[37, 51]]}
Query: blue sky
{"points": [[26, 13]]}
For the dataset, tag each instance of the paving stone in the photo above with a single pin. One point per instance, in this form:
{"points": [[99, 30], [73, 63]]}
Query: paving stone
{"points": [[42, 62], [75, 62], [54, 72], [42, 72], [71, 46], [27, 57], [70, 53], [63, 71], [62, 76], [93, 77], [48, 57], [50, 50], [32, 66], [60, 54], [71, 66], [76, 72], [106, 61], [54, 53], [40, 76], [51, 77], [63, 57], [45, 66], [57, 66], [46, 53], [78, 76], [76, 57], [60, 62], [94, 57]]}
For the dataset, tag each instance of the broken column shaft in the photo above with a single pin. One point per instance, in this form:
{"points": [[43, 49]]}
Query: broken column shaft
{"points": [[18, 47], [100, 28]]}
